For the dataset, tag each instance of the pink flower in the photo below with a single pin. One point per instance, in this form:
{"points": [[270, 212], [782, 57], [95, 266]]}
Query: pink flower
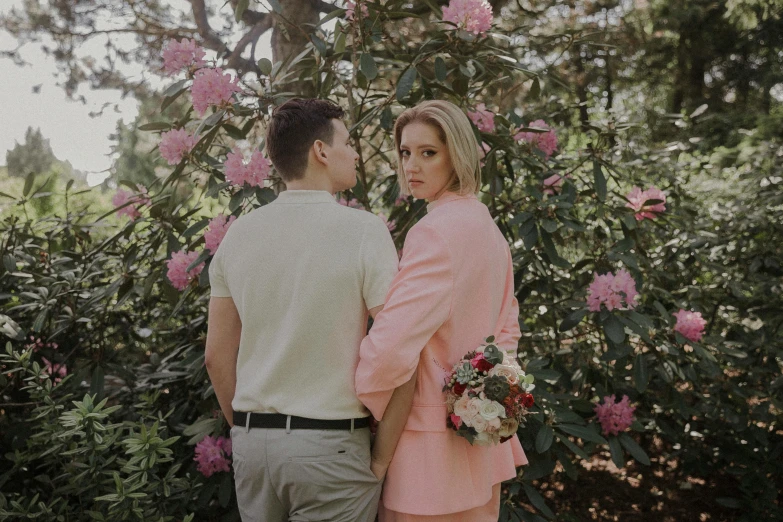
{"points": [[175, 144], [212, 455], [121, 197], [212, 87], [253, 173], [614, 417], [218, 226], [546, 142], [182, 55], [350, 8], [483, 119], [353, 203], [610, 289], [637, 200], [178, 269], [389, 224], [456, 420], [690, 325], [58, 371], [473, 16], [552, 184]]}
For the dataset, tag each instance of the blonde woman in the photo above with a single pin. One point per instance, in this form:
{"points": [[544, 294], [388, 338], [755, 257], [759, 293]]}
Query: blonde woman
{"points": [[455, 287]]}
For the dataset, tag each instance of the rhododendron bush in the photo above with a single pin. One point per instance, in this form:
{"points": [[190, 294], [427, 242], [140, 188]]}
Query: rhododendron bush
{"points": [[627, 306]]}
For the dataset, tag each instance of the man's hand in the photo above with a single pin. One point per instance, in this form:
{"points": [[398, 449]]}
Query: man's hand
{"points": [[379, 469]]}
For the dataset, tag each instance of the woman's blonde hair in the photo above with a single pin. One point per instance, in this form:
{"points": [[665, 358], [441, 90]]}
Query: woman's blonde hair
{"points": [[454, 129]]}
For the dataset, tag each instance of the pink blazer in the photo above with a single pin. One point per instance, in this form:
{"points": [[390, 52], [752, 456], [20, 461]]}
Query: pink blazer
{"points": [[455, 287]]}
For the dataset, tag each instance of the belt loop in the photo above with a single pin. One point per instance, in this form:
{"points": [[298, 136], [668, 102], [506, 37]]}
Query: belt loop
{"points": [[352, 426], [288, 424], [247, 422]]}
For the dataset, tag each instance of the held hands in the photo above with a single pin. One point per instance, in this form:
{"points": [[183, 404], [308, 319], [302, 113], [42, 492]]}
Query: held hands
{"points": [[379, 469]]}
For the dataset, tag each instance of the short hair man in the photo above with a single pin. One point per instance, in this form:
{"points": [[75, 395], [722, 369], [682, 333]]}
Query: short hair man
{"points": [[292, 284]]}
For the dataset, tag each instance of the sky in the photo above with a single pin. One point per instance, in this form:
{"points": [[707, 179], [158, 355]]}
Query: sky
{"points": [[74, 135]]}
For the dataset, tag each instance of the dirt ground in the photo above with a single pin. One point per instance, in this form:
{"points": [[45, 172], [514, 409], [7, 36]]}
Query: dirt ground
{"points": [[637, 493]]}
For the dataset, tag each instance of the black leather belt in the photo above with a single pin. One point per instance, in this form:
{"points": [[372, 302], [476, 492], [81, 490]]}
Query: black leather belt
{"points": [[278, 420]]}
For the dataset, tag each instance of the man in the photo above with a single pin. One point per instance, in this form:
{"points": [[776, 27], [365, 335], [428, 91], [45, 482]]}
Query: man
{"points": [[292, 285]]}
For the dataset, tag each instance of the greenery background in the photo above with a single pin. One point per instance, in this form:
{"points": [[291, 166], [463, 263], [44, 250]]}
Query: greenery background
{"points": [[684, 96]]}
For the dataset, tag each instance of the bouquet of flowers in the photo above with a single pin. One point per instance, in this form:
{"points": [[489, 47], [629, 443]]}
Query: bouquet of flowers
{"points": [[487, 396]]}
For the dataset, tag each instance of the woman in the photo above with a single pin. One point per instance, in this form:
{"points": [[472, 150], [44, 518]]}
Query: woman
{"points": [[455, 287]]}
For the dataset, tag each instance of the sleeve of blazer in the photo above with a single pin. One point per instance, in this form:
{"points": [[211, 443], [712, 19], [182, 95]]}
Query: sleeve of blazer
{"points": [[419, 302], [508, 337]]}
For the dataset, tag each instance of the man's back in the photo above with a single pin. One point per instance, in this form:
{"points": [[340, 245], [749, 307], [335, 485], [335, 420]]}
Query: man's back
{"points": [[302, 272]]}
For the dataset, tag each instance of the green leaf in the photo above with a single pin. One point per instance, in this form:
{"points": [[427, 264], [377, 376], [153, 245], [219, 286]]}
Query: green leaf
{"points": [[155, 125], [520, 218], [616, 449], [215, 118], [600, 181], [576, 450], [624, 245], [582, 432], [40, 320], [641, 375], [240, 10], [97, 382], [275, 5], [544, 438], [531, 238], [440, 69], [405, 84], [265, 66], [634, 449], [368, 67], [9, 262], [174, 88], [197, 227], [614, 329], [535, 89], [339, 44], [28, 184], [538, 501], [573, 319]]}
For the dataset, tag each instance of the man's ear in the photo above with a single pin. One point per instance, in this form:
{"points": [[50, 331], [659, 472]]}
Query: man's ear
{"points": [[319, 152]]}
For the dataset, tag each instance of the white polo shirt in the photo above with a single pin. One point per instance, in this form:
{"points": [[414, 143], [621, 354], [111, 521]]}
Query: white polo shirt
{"points": [[303, 272]]}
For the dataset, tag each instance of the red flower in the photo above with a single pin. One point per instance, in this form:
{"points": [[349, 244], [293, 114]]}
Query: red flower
{"points": [[459, 388], [527, 400], [481, 364]]}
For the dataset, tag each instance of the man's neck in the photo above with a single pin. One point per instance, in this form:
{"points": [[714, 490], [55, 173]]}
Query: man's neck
{"points": [[311, 181]]}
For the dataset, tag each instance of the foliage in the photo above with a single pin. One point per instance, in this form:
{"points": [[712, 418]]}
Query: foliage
{"points": [[34, 155], [130, 339]]}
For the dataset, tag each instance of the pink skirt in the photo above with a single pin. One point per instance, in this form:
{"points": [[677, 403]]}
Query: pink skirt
{"points": [[489, 512]]}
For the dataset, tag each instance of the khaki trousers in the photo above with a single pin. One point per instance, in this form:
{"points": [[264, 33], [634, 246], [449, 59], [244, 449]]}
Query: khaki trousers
{"points": [[304, 475]]}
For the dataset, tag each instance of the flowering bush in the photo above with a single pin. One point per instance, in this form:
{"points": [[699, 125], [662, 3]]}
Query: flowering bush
{"points": [[604, 294]]}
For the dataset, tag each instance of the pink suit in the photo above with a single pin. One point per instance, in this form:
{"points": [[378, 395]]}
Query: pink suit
{"points": [[455, 287]]}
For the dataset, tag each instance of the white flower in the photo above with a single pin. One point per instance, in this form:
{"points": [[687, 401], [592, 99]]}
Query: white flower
{"points": [[509, 373], [491, 410], [508, 427], [461, 406], [473, 407], [479, 423]]}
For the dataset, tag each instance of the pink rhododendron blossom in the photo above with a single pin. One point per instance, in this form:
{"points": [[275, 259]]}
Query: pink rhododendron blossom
{"points": [[546, 142], [185, 54], [610, 290], [473, 16], [212, 87], [217, 228], [637, 199], [552, 184], [483, 119], [212, 455], [178, 269], [252, 173], [389, 224], [690, 325], [353, 203], [121, 197], [614, 417], [350, 9], [57, 371], [175, 144]]}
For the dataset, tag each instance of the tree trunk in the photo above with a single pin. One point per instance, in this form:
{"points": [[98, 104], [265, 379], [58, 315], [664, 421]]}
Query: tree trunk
{"points": [[290, 35], [581, 86], [678, 94]]}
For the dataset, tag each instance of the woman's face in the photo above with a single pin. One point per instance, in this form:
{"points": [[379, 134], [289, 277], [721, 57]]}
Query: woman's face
{"points": [[426, 162]]}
